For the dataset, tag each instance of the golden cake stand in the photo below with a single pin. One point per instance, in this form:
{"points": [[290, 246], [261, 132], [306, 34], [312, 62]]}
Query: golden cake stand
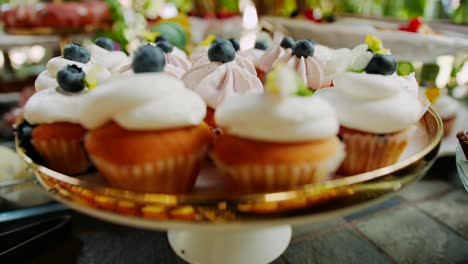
{"points": [[214, 224]]}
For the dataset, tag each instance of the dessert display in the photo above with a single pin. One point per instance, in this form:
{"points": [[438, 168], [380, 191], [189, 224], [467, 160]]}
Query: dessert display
{"points": [[376, 108], [63, 16], [146, 130], [304, 148], [224, 75]]}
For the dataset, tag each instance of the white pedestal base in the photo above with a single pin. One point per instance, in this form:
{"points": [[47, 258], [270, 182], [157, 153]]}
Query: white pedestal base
{"points": [[256, 246]]}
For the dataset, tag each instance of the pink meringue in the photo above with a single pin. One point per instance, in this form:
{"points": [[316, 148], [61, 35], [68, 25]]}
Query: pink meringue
{"points": [[178, 59], [269, 58], [216, 81], [310, 69], [241, 61]]}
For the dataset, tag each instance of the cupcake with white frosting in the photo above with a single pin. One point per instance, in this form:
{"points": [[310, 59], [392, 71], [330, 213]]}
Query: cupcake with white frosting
{"points": [[103, 51], [221, 78], [146, 130], [73, 55], [278, 140], [377, 111], [56, 134]]}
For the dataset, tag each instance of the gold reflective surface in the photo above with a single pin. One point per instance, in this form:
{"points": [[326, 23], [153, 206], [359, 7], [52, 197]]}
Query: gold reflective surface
{"points": [[93, 196]]}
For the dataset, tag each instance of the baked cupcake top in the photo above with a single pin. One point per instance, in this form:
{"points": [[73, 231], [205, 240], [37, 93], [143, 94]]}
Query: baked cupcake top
{"points": [[222, 77], [103, 51], [73, 55], [147, 100], [61, 103], [375, 100], [310, 68], [281, 45], [287, 112]]}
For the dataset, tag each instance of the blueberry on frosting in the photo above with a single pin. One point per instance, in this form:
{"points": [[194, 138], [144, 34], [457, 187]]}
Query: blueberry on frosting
{"points": [[165, 46], [105, 43], [261, 45], [71, 79], [303, 48], [161, 38], [148, 58], [77, 53], [222, 51], [382, 64], [235, 44], [287, 43]]}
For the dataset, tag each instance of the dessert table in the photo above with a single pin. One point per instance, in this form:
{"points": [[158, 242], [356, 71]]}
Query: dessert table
{"points": [[425, 223]]}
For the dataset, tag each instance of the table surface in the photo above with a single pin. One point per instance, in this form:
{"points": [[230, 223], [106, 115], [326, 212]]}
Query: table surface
{"points": [[426, 223]]}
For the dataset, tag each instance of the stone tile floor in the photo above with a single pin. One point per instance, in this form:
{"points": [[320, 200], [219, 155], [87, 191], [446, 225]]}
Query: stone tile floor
{"points": [[426, 223]]}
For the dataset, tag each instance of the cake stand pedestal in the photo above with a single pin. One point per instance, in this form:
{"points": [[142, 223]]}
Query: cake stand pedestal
{"points": [[261, 245]]}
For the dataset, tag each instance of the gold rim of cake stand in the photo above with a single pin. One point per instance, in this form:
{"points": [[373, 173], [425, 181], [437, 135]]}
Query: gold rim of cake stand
{"points": [[328, 190]]}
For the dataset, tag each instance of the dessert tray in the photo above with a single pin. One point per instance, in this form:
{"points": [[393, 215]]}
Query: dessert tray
{"points": [[349, 31], [213, 224]]}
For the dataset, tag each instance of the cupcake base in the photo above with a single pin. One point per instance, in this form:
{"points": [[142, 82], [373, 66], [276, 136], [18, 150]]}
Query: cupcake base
{"points": [[266, 167], [60, 147], [166, 161], [366, 151]]}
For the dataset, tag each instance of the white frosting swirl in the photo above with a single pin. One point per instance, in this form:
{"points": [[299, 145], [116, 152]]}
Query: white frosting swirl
{"points": [[445, 106], [253, 55], [198, 52], [216, 81], [375, 103], [173, 58], [48, 78], [277, 119], [269, 58], [50, 106], [312, 70], [145, 101], [111, 60]]}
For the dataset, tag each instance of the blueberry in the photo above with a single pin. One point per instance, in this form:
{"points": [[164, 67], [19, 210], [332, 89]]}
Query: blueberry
{"points": [[222, 51], [382, 64], [165, 46], [235, 44], [148, 59], [71, 78], [329, 18], [217, 39], [76, 52], [287, 43], [161, 38], [105, 43], [261, 45], [24, 133], [312, 41], [303, 48]]}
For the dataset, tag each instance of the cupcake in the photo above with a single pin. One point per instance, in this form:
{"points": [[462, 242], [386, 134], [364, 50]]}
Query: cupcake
{"points": [[377, 111], [146, 130], [254, 54], [73, 54], [310, 68], [221, 78], [281, 46], [103, 51], [202, 48], [278, 140], [54, 115], [444, 105]]}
